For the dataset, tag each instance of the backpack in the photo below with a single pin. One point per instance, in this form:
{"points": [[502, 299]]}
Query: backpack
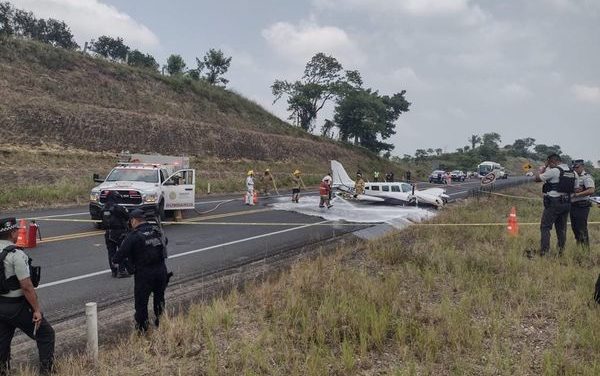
{"points": [[12, 283], [566, 182], [597, 291]]}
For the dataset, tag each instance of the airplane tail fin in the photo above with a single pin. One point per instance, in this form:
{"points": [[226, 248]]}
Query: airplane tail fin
{"points": [[340, 176]]}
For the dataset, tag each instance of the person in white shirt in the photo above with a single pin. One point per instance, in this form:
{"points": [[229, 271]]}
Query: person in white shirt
{"points": [[557, 188], [19, 304], [580, 204], [250, 188]]}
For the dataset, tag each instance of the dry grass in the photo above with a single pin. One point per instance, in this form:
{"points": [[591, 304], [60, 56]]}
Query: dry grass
{"points": [[427, 300]]}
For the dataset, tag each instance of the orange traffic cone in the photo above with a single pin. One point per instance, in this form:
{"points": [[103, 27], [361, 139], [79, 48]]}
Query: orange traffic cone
{"points": [[255, 198], [22, 240], [513, 224]]}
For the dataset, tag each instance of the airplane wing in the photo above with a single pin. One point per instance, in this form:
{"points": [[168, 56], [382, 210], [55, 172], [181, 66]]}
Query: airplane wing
{"points": [[369, 198], [432, 191]]}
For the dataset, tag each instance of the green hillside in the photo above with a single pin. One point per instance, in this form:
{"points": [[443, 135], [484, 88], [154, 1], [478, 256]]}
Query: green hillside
{"points": [[65, 114]]}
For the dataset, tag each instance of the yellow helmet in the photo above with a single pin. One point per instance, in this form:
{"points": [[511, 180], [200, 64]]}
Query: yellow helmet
{"points": [[250, 172], [297, 172], [268, 170]]}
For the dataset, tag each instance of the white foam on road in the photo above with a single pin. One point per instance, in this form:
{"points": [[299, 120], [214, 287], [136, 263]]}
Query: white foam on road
{"points": [[342, 210]]}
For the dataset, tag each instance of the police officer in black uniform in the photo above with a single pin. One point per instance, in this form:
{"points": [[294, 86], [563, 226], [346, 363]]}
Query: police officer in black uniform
{"points": [[19, 305], [559, 183], [115, 221], [145, 248], [580, 205]]}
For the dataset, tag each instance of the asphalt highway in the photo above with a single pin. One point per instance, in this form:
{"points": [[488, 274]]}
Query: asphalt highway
{"points": [[74, 259]]}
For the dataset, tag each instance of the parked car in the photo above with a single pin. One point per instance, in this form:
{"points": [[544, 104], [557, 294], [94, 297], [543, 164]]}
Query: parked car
{"points": [[438, 176], [458, 175]]}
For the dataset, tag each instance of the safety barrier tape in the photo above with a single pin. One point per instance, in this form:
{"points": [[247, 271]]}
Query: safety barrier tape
{"points": [[513, 196]]}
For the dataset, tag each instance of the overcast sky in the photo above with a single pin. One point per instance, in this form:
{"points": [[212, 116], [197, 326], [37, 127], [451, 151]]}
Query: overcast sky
{"points": [[520, 68]]}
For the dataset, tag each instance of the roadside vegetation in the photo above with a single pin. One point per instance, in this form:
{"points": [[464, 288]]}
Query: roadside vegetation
{"points": [[430, 299], [50, 176]]}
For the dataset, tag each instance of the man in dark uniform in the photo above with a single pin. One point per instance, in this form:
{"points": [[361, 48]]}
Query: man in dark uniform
{"points": [[115, 221], [557, 203], [19, 306], [580, 204], [145, 250]]}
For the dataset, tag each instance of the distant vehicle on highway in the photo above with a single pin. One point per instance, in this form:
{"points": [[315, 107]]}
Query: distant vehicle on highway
{"points": [[486, 167], [458, 175], [438, 176], [529, 173]]}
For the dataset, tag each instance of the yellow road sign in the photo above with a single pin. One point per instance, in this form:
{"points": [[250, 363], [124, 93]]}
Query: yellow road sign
{"points": [[527, 166]]}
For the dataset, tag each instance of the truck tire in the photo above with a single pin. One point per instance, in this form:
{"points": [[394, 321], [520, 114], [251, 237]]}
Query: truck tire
{"points": [[161, 210]]}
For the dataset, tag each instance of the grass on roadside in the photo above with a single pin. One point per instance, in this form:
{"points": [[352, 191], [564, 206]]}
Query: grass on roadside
{"points": [[426, 300]]}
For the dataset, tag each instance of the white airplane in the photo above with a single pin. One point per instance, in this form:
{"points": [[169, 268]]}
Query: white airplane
{"points": [[391, 193]]}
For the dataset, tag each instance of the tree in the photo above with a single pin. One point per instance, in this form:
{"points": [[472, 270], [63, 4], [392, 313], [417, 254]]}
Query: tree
{"points": [[466, 148], [367, 117], [438, 151], [141, 60], [25, 24], [216, 64], [193, 74], [175, 65], [520, 148], [544, 151], [491, 139], [327, 129], [489, 149], [420, 154], [307, 96], [110, 48], [6, 19], [58, 34], [474, 140]]}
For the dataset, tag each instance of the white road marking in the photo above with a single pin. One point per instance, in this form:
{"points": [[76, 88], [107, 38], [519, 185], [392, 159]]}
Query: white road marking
{"points": [[60, 215], [244, 240], [89, 275]]}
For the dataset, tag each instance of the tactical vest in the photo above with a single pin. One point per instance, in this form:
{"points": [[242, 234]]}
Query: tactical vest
{"points": [[566, 182], [155, 249], [12, 283], [111, 218]]}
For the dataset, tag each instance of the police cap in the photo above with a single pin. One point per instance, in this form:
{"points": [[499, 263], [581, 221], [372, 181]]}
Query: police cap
{"points": [[577, 162], [138, 214], [8, 224], [554, 157]]}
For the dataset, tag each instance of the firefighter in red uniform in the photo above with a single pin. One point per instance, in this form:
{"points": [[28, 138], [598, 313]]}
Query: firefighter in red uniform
{"points": [[324, 191]]}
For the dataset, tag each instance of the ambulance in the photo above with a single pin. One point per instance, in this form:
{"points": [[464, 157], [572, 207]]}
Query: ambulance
{"points": [[156, 184]]}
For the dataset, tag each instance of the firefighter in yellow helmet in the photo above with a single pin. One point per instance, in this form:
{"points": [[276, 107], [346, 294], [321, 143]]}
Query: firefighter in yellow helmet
{"points": [[360, 184], [250, 188], [296, 184], [266, 180]]}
